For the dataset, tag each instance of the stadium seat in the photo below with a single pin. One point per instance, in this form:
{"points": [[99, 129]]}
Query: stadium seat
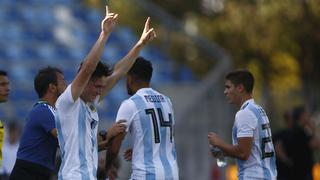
{"points": [[38, 33]]}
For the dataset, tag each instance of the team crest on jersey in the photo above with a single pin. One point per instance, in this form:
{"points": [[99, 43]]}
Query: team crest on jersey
{"points": [[93, 108]]}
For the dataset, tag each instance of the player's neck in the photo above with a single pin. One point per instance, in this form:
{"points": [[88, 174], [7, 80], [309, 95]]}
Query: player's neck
{"points": [[243, 99], [50, 99], [141, 86]]}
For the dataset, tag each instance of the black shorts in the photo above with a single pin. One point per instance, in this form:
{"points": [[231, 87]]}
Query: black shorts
{"points": [[29, 171]]}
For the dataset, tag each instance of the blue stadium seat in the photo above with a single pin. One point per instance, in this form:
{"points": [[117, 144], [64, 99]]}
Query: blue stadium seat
{"points": [[28, 42], [3, 54]]}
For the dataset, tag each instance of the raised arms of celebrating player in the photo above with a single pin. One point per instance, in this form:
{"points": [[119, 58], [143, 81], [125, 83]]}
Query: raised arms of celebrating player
{"points": [[124, 65], [92, 59]]}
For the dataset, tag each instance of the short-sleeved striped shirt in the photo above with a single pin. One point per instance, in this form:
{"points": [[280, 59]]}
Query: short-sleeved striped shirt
{"points": [[77, 125], [150, 121], [252, 121]]}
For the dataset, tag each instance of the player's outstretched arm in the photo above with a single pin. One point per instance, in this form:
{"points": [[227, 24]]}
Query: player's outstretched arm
{"points": [[124, 65], [92, 59]]}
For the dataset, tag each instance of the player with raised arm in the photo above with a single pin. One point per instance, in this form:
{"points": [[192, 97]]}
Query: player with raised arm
{"points": [[77, 118]]}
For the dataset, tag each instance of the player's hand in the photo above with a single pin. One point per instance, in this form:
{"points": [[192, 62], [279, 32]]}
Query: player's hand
{"points": [[214, 139], [109, 22], [214, 151], [127, 155], [148, 34], [117, 128]]}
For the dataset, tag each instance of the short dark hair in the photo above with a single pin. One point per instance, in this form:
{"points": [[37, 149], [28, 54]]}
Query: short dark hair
{"points": [[297, 112], [43, 78], [243, 77], [141, 69], [102, 69], [3, 73]]}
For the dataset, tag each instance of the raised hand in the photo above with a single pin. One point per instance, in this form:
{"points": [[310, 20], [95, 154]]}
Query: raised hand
{"points": [[147, 34], [109, 22]]}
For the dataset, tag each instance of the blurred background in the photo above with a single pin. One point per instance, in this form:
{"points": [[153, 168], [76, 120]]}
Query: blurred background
{"points": [[199, 41]]}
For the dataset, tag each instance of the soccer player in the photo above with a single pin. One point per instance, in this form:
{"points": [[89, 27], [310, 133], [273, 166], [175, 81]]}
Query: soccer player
{"points": [[4, 94], [38, 144], [77, 118], [251, 134], [149, 119]]}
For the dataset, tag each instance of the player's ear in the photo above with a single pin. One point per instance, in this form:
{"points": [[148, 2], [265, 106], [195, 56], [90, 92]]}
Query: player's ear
{"points": [[240, 88], [52, 87]]}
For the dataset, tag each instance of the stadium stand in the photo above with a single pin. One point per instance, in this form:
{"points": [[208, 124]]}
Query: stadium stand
{"points": [[38, 33]]}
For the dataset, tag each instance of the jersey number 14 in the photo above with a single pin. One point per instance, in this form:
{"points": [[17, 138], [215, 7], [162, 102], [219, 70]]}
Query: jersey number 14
{"points": [[163, 123]]}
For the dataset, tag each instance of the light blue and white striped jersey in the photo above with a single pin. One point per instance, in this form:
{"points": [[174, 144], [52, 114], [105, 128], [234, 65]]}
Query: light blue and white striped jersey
{"points": [[150, 121], [252, 121], [77, 125]]}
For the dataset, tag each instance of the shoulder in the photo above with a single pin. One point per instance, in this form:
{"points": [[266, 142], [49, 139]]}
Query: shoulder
{"points": [[66, 95], [65, 100], [246, 116], [42, 109], [244, 113], [126, 110], [167, 99], [128, 103], [135, 100]]}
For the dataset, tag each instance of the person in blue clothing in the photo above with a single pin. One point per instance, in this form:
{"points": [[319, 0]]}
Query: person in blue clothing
{"points": [[38, 145]]}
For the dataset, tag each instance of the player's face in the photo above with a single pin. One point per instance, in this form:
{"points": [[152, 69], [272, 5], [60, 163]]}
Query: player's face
{"points": [[61, 84], [93, 89], [129, 88], [4, 88], [231, 92]]}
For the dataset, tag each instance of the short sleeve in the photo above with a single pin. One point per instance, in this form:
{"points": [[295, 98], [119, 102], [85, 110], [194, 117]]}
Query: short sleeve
{"points": [[246, 123], [46, 119], [125, 112], [65, 100]]}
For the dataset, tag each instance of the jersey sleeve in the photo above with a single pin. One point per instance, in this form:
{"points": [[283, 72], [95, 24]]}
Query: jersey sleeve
{"points": [[65, 100], [46, 119], [246, 123], [65, 116], [125, 112]]}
